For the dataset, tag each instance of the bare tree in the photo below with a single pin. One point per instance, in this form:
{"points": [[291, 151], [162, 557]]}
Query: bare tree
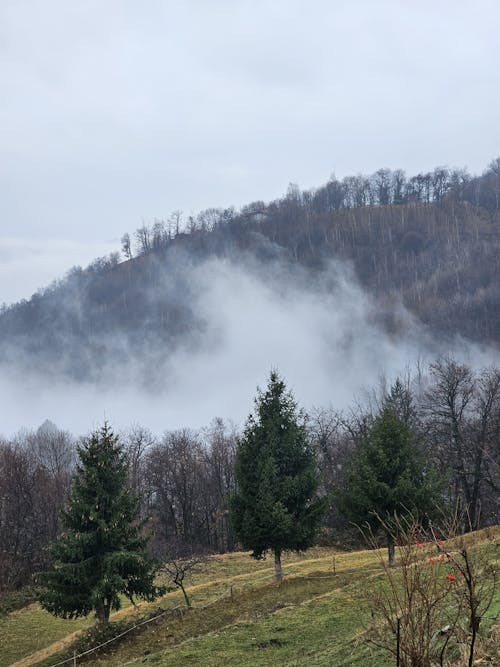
{"points": [[138, 442], [159, 234], [462, 413], [175, 223], [382, 184], [178, 567], [178, 479], [143, 239], [221, 442], [34, 481], [326, 428], [448, 405], [126, 246]]}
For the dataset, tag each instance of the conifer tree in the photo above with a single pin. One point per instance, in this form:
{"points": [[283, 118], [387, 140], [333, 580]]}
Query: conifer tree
{"points": [[100, 554], [388, 472], [275, 506]]}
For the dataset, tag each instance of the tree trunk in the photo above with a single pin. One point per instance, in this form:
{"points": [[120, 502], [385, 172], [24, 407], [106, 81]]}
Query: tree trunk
{"points": [[186, 597], [102, 612], [391, 550], [277, 566], [476, 485]]}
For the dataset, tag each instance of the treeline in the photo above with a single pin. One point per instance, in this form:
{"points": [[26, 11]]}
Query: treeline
{"points": [[433, 240], [185, 478], [385, 187], [182, 479]]}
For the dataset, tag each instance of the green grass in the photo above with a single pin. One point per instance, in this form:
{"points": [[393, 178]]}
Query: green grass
{"points": [[14, 600], [308, 630], [31, 629], [316, 618], [231, 631]]}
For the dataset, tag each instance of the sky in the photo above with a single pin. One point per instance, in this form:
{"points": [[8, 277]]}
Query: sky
{"points": [[118, 112]]}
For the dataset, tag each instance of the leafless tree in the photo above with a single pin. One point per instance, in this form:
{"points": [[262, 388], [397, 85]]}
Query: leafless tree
{"points": [[138, 441], [220, 453], [34, 480], [178, 565], [159, 235], [126, 246], [175, 223], [143, 239], [462, 412]]}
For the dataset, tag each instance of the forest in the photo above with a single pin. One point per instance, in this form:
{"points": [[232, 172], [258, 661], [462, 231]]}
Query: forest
{"points": [[184, 479]]}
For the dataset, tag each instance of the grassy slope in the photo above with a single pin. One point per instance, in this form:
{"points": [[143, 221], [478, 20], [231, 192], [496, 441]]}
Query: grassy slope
{"points": [[30, 629], [316, 618]]}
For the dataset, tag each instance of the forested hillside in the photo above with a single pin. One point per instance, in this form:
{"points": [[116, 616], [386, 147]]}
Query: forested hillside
{"points": [[430, 242]]}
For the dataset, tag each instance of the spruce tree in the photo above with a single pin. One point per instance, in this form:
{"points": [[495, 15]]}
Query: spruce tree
{"points": [[388, 472], [275, 507], [100, 554]]}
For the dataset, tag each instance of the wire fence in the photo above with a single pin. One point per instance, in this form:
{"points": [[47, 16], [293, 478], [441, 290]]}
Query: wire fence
{"points": [[76, 657], [179, 608]]}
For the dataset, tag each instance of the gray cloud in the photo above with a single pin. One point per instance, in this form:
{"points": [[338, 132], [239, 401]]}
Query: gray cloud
{"points": [[321, 333]]}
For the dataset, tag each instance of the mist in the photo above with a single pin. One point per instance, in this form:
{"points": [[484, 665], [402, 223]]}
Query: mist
{"points": [[322, 332]]}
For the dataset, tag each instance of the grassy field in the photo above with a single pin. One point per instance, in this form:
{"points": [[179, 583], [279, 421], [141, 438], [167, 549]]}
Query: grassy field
{"points": [[317, 617]]}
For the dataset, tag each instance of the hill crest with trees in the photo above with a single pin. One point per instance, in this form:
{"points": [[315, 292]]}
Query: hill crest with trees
{"points": [[430, 242]]}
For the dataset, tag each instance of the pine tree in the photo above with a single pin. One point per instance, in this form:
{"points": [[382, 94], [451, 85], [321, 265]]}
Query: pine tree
{"points": [[275, 506], [100, 554], [388, 472]]}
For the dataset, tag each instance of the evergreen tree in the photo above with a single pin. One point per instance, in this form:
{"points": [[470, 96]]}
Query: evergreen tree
{"points": [[388, 472], [275, 506], [100, 554]]}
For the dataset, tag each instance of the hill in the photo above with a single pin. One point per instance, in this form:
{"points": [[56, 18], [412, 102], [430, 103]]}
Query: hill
{"points": [[319, 616], [429, 243]]}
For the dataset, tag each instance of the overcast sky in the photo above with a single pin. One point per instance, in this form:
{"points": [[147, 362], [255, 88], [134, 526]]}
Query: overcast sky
{"points": [[118, 111]]}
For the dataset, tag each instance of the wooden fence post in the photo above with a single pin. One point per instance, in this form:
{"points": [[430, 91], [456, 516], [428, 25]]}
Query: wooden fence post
{"points": [[398, 643]]}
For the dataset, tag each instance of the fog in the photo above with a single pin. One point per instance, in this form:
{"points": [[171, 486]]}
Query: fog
{"points": [[322, 332]]}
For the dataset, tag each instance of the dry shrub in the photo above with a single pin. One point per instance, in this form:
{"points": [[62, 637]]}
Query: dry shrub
{"points": [[434, 602]]}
